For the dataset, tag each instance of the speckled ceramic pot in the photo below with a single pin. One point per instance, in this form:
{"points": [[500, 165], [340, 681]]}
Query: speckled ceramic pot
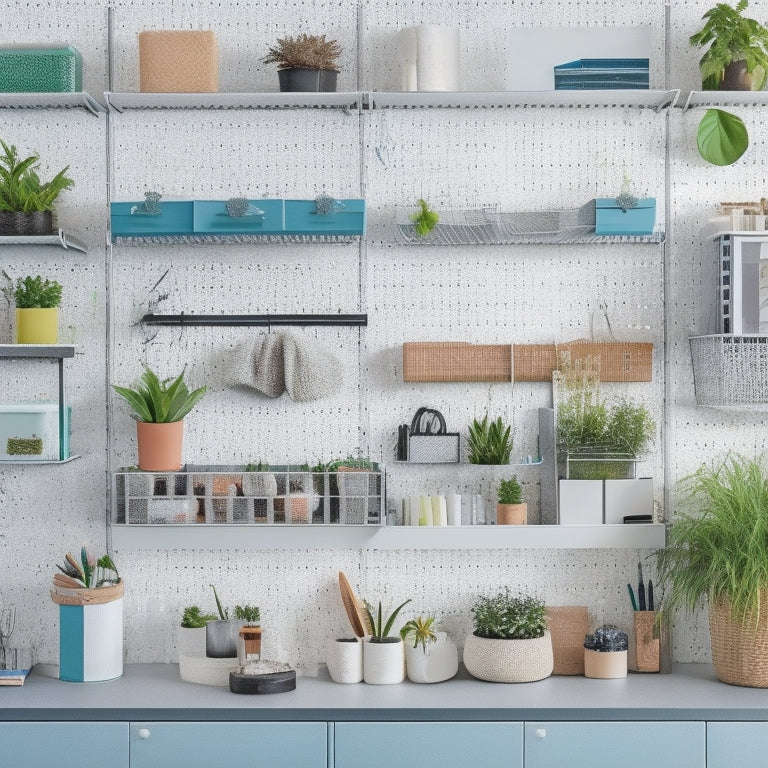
{"points": [[384, 663], [345, 660], [509, 661]]}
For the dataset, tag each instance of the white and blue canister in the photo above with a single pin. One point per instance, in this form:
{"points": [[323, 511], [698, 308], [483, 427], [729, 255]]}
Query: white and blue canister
{"points": [[90, 633]]}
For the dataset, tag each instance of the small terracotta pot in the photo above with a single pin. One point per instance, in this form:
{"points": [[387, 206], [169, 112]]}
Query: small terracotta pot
{"points": [[160, 446], [511, 514]]}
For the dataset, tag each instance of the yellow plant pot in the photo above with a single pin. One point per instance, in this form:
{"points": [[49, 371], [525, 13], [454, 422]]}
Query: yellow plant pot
{"points": [[37, 326]]}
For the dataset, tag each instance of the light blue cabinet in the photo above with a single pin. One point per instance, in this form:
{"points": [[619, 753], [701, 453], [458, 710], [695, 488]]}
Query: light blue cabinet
{"points": [[64, 745], [736, 744], [629, 745], [428, 745], [234, 745]]}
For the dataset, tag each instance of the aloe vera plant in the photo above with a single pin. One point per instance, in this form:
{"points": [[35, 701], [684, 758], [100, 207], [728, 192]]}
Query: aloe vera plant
{"points": [[160, 402], [381, 628]]}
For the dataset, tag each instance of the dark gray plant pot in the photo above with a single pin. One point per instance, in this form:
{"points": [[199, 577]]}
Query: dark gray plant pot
{"points": [[32, 223], [314, 80], [736, 77], [221, 638]]}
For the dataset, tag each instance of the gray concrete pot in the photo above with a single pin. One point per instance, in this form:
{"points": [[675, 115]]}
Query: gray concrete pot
{"points": [[221, 638]]}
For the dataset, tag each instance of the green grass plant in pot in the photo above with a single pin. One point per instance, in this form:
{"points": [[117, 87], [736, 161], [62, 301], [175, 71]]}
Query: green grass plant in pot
{"points": [[37, 310], [510, 642], [159, 407], [717, 551], [510, 508], [489, 442], [26, 202]]}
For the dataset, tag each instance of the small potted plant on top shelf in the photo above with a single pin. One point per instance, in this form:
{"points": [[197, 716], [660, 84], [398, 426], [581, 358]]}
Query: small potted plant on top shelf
{"points": [[159, 407], [605, 653], [383, 654], [736, 58], [26, 203], [305, 62], [489, 442], [511, 509], [511, 642], [430, 655], [37, 309]]}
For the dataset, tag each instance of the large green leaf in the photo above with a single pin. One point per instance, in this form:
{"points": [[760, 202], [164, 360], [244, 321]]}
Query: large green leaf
{"points": [[722, 137]]}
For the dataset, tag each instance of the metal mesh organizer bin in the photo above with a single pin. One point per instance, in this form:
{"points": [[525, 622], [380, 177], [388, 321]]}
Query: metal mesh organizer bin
{"points": [[730, 370], [225, 495]]}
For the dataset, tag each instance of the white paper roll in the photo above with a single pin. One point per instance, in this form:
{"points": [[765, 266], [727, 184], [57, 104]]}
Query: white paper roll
{"points": [[425, 510], [408, 53], [414, 511], [438, 58], [453, 510]]}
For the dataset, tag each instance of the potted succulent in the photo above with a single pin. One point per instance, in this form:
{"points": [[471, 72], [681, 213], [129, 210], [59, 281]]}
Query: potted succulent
{"points": [[511, 642], [159, 408], [191, 633], [37, 310], [249, 635], [716, 552], [430, 655], [489, 442], [605, 653], [26, 203], [511, 509], [383, 654], [305, 62], [736, 55]]}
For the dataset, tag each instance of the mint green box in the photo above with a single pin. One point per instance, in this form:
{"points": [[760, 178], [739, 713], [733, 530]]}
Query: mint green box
{"points": [[37, 68]]}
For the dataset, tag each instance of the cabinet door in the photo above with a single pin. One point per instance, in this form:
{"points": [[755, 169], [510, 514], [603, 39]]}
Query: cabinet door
{"points": [[428, 745], [64, 745], [736, 744], [234, 745], [629, 745]]}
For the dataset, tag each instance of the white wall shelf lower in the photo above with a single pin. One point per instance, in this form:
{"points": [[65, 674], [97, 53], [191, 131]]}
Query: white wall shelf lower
{"points": [[69, 100], [120, 102], [61, 238], [126, 538], [726, 99]]}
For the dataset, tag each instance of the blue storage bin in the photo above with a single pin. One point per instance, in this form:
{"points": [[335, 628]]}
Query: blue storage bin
{"points": [[128, 221], [610, 219], [56, 68], [602, 74]]}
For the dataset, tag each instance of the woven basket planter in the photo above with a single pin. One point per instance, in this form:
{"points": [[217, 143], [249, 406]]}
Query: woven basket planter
{"points": [[739, 647], [509, 661]]}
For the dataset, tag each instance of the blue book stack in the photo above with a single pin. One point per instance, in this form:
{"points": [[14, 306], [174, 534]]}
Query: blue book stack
{"points": [[584, 74]]}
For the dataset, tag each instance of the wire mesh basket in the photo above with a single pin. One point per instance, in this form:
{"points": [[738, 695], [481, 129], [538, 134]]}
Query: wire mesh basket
{"points": [[730, 370], [217, 495]]}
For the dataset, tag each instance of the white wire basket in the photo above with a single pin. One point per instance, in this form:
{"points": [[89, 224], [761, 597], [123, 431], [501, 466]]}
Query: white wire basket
{"points": [[730, 370]]}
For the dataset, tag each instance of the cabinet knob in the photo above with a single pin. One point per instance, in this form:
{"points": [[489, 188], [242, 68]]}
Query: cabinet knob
{"points": [[144, 733], [541, 733]]}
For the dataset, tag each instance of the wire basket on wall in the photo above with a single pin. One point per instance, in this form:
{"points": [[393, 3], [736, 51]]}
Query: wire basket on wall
{"points": [[730, 370]]}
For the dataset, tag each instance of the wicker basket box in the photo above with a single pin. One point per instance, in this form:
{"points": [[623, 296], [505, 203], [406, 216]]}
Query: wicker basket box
{"points": [[178, 61], [730, 370]]}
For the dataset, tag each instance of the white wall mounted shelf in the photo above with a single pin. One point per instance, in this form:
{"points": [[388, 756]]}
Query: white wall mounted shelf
{"points": [[640, 98], [726, 99], [72, 100], [295, 537], [120, 102], [61, 239]]}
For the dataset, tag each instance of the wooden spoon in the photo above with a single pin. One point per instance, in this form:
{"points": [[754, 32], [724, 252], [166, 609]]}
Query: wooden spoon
{"points": [[352, 606]]}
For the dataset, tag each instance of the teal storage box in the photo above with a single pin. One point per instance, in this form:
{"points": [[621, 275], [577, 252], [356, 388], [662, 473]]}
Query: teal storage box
{"points": [[610, 219], [40, 68]]}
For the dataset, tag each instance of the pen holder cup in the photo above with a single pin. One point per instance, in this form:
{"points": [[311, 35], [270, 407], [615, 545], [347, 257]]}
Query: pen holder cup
{"points": [[646, 638]]}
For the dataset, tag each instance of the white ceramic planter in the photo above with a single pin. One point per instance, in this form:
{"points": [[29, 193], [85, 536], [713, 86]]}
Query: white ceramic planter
{"points": [[383, 663], [438, 662], [509, 661], [345, 660], [190, 641], [605, 665]]}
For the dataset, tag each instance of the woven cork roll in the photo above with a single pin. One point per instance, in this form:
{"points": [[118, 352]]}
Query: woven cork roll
{"points": [[568, 625], [178, 61]]}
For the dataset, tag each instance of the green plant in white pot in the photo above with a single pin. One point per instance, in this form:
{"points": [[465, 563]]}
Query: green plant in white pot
{"points": [[159, 407], [383, 653], [511, 642], [430, 655], [717, 551]]}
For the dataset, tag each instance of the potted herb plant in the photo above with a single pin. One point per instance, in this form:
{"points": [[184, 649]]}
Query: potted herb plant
{"points": [[37, 310], [511, 509], [736, 55], [605, 653], [305, 62], [716, 551], [511, 642], [383, 654], [430, 655], [26, 202], [489, 442], [159, 408], [191, 633]]}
